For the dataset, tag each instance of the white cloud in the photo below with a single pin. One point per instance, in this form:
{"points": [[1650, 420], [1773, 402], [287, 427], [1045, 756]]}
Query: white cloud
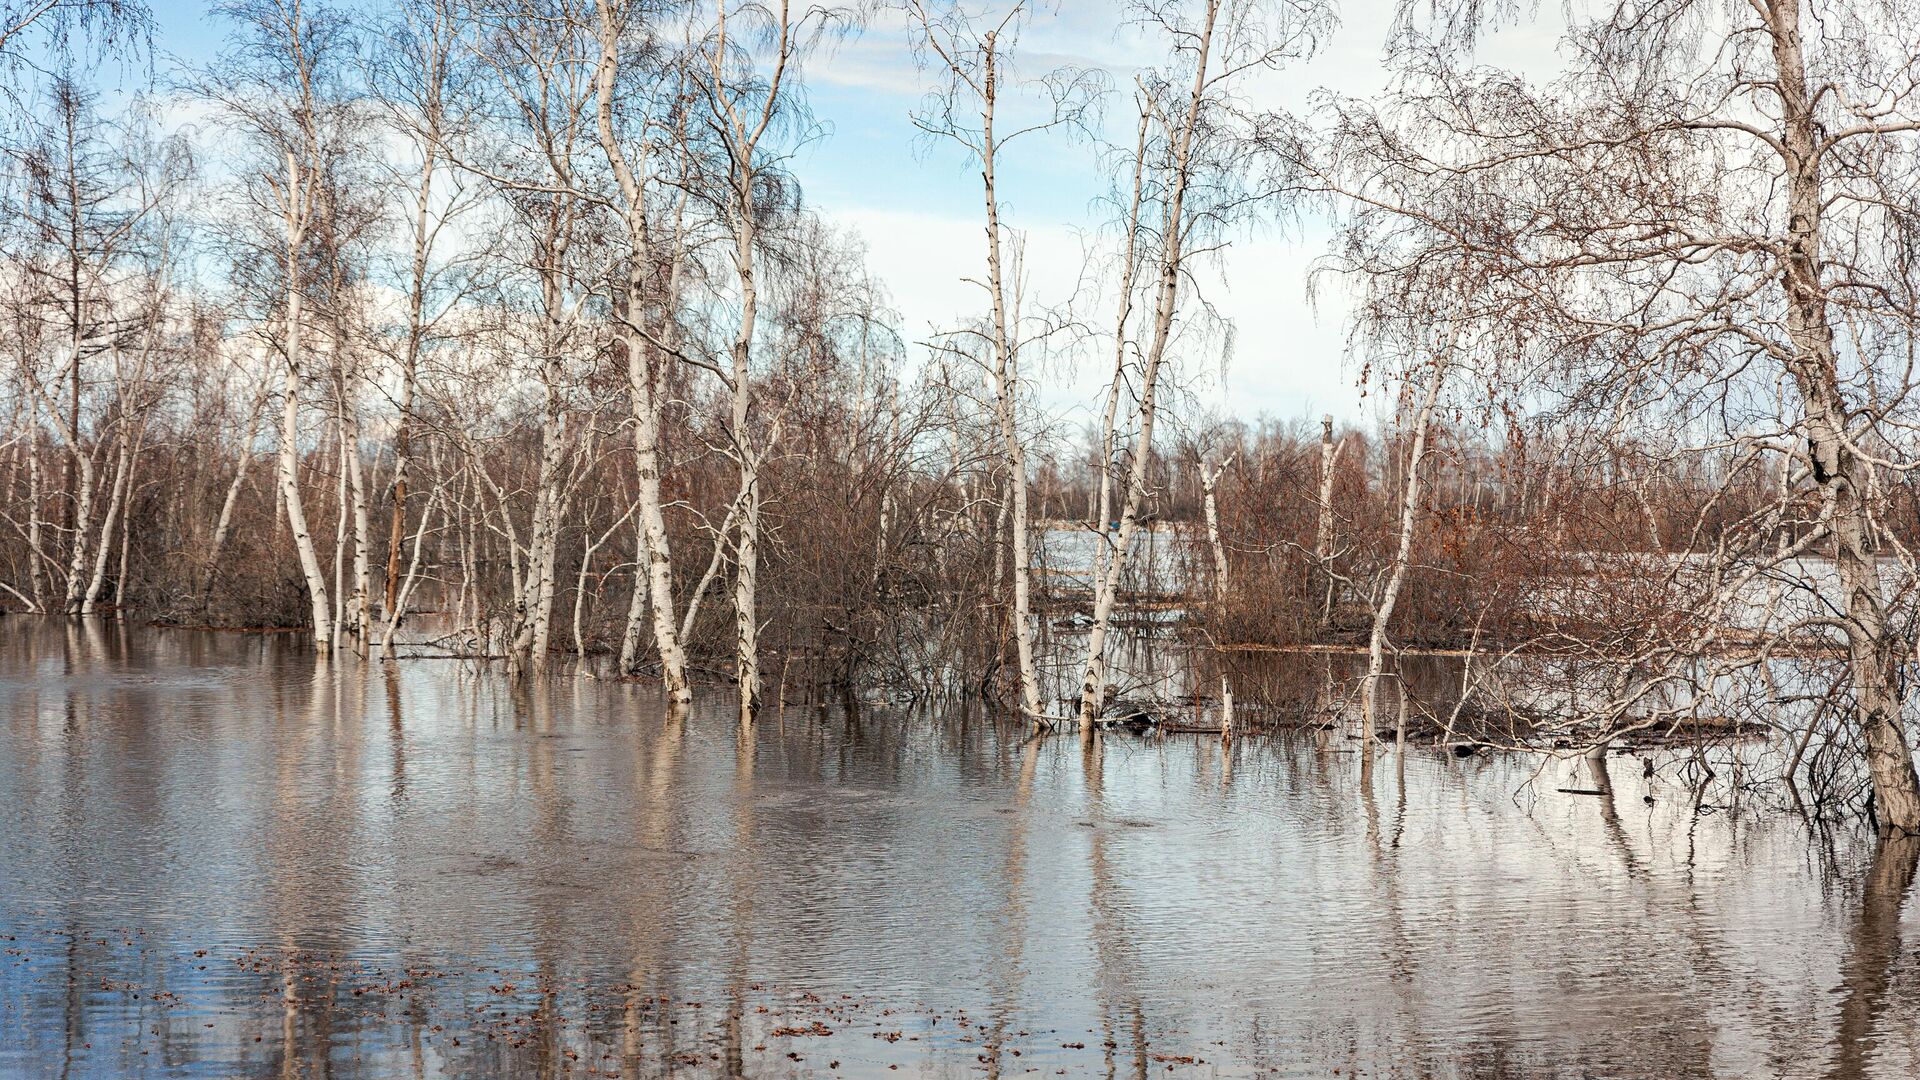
{"points": [[1289, 357]]}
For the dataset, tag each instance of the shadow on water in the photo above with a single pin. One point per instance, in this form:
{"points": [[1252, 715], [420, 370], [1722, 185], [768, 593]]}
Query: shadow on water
{"points": [[220, 857]]}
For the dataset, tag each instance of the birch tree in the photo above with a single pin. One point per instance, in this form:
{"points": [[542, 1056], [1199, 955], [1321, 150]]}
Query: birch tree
{"points": [[746, 79], [538, 125], [1669, 233], [281, 90], [645, 302], [418, 76], [1191, 193], [1422, 388], [971, 54], [90, 202]]}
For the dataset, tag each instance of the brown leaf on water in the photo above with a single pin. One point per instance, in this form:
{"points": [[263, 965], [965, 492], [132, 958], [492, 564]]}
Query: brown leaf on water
{"points": [[815, 1028]]}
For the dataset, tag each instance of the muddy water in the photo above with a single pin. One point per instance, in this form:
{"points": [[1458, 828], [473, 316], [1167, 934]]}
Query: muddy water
{"points": [[219, 859]]}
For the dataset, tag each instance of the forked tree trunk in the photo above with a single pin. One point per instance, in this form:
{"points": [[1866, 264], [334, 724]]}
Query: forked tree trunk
{"points": [[1110, 415], [116, 500], [320, 604], [1173, 228], [409, 580], [120, 568], [636, 606], [654, 573], [740, 130], [298, 201], [223, 524], [409, 377]]}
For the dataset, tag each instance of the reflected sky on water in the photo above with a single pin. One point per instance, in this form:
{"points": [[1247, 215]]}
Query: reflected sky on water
{"points": [[221, 858]]}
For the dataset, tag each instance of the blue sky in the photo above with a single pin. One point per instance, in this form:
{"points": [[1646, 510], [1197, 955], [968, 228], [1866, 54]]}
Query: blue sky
{"points": [[917, 207]]}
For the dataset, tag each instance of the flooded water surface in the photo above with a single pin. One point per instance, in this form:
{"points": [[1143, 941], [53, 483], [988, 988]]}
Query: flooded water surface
{"points": [[220, 858]]}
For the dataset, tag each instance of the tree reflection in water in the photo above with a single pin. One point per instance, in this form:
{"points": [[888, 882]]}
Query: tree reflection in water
{"points": [[223, 857]]}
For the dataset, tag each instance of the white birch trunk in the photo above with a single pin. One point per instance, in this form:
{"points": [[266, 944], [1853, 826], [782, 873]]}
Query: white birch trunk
{"points": [[1209, 478], [116, 498], [224, 523], [1110, 415], [1005, 374], [655, 570], [1166, 300], [1323, 538], [745, 599], [82, 525], [36, 570], [1876, 648], [339, 534], [1397, 573], [289, 473], [410, 580], [359, 606]]}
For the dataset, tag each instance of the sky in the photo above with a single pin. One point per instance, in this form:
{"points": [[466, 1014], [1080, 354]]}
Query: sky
{"points": [[916, 208], [907, 198]]}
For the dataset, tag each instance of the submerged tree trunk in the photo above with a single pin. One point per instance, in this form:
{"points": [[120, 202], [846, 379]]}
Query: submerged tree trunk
{"points": [[320, 604], [116, 505], [654, 572], [1103, 522], [409, 380], [36, 557], [81, 510], [1005, 372], [1173, 234], [535, 607], [298, 204], [409, 580], [1397, 574], [1875, 647], [223, 524], [360, 602], [745, 593], [636, 605]]}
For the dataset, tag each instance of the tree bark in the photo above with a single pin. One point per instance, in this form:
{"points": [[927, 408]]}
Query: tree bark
{"points": [[655, 571], [1209, 478], [1166, 300], [1323, 534], [321, 605], [1875, 648], [1397, 575], [1005, 372], [116, 499]]}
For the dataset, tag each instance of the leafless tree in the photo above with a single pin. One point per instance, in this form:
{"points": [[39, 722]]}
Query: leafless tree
{"points": [[1713, 243], [1192, 194], [973, 52]]}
